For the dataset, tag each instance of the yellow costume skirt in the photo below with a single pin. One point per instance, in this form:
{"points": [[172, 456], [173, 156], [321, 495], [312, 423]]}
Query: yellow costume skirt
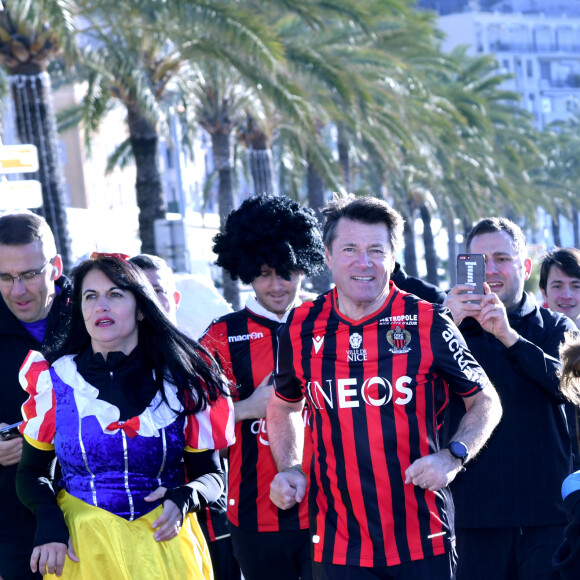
{"points": [[110, 547]]}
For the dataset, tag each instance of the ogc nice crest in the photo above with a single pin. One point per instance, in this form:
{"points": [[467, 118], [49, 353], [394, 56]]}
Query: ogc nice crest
{"points": [[399, 339]]}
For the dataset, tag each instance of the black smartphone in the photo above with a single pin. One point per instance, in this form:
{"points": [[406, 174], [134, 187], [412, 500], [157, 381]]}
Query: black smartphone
{"points": [[471, 270], [10, 432]]}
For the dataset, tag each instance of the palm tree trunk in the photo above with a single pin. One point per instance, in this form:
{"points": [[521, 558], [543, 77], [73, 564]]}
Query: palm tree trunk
{"points": [[431, 258], [467, 225], [316, 201], [452, 248], [259, 155], [150, 198], [316, 197], [343, 157], [410, 249], [556, 230], [223, 161], [261, 169], [35, 124]]}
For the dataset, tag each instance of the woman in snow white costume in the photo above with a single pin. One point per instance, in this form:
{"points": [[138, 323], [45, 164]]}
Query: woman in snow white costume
{"points": [[131, 407]]}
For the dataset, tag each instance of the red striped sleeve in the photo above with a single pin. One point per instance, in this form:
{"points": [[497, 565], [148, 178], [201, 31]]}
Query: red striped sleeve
{"points": [[211, 428], [39, 410]]}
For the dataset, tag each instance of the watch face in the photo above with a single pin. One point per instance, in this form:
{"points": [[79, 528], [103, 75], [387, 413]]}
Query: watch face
{"points": [[458, 449]]}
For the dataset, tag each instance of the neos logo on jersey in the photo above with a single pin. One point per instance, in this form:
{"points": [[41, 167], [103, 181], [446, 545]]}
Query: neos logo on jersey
{"points": [[351, 393]]}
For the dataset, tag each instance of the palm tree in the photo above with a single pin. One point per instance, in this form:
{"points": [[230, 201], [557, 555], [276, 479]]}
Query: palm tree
{"points": [[257, 139], [32, 35], [140, 55], [473, 153], [216, 100], [352, 76], [240, 100], [559, 172]]}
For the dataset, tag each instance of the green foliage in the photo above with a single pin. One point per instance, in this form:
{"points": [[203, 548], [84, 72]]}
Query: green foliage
{"points": [[417, 126]]}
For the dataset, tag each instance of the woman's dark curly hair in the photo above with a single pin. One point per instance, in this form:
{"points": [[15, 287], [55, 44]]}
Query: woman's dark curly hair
{"points": [[270, 230], [169, 352]]}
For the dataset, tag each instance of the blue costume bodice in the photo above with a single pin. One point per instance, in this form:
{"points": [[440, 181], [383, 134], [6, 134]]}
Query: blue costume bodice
{"points": [[113, 471]]}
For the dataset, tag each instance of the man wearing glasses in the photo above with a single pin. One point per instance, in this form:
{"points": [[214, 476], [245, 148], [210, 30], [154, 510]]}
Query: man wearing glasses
{"points": [[34, 307]]}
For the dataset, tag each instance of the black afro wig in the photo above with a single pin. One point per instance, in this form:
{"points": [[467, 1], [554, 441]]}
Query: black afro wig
{"points": [[270, 230]]}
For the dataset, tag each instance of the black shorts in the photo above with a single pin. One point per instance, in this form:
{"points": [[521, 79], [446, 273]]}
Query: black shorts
{"points": [[279, 555], [225, 566], [436, 568]]}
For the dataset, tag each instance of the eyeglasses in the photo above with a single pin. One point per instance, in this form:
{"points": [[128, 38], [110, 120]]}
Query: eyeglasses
{"points": [[24, 277]]}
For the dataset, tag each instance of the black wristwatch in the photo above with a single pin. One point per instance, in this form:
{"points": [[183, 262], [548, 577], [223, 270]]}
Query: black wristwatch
{"points": [[459, 450]]}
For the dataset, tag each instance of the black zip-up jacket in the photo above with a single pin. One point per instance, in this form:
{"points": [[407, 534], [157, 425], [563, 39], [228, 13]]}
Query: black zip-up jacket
{"points": [[516, 478], [420, 288], [16, 522]]}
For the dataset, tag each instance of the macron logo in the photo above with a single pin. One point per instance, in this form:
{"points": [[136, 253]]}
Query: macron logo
{"points": [[317, 343], [241, 337]]}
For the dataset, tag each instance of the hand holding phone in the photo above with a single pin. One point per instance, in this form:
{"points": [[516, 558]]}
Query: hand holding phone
{"points": [[471, 271], [10, 432]]}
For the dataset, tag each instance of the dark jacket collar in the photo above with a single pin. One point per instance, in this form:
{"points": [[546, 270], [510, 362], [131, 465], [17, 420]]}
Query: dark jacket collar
{"points": [[526, 307], [89, 361]]}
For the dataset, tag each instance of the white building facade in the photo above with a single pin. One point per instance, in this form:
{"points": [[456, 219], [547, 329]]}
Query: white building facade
{"points": [[542, 50]]}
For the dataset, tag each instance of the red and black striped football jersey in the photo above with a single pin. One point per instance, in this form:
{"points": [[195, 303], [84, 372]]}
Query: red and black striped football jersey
{"points": [[246, 346], [378, 389]]}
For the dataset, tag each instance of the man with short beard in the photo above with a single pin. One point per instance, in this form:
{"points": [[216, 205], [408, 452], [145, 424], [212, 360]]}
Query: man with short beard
{"points": [[270, 243], [509, 513]]}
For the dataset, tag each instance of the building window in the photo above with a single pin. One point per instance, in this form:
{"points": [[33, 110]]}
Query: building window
{"points": [[545, 71], [519, 38], [519, 69], [564, 38], [542, 38], [498, 37], [530, 69], [479, 39], [169, 157], [546, 105]]}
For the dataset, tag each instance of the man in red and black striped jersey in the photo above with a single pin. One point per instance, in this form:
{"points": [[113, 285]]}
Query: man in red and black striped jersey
{"points": [[270, 243], [375, 365]]}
